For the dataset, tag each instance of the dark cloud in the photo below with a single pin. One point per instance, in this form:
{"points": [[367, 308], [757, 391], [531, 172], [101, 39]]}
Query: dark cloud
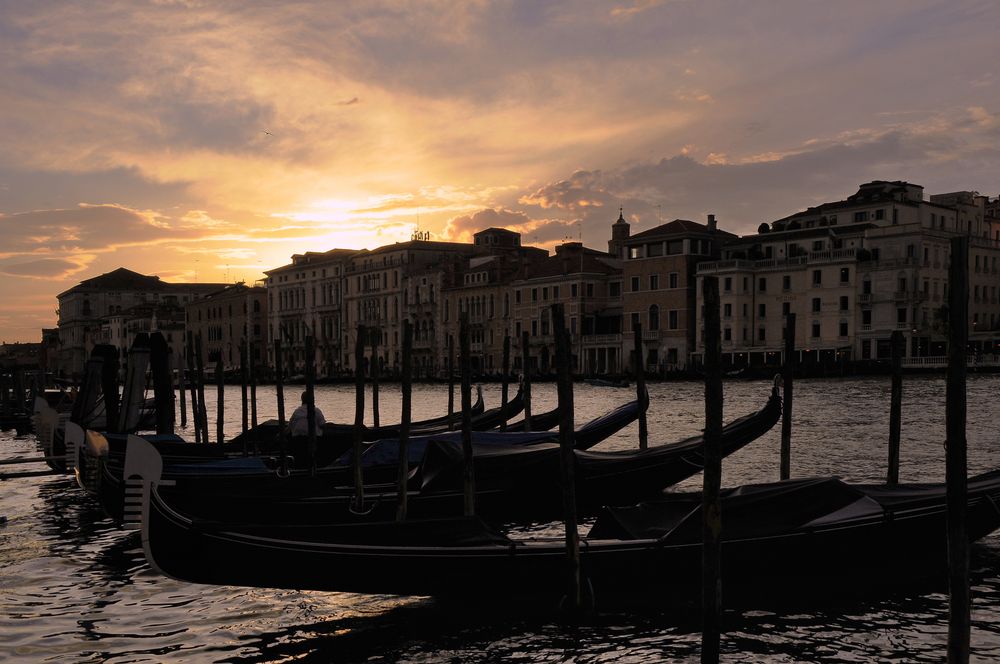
{"points": [[47, 268], [87, 228], [533, 231]]}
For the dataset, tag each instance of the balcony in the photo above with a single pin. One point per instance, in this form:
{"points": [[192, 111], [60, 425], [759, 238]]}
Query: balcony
{"points": [[651, 335], [866, 327], [902, 326], [602, 339], [865, 298]]}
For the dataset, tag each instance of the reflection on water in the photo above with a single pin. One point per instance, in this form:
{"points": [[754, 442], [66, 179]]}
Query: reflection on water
{"points": [[75, 588]]}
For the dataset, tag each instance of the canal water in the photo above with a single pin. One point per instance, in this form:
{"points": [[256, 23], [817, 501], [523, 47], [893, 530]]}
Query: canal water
{"points": [[74, 588]]}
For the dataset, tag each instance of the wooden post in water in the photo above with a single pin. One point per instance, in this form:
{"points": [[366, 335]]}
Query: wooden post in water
{"points": [[200, 379], [251, 351], [181, 387], [404, 420], [279, 390], [711, 553], [220, 386], [359, 417], [245, 419], [505, 381], [311, 402], [469, 472], [640, 386], [193, 383], [788, 370], [895, 408], [567, 458], [374, 370], [959, 606], [451, 383], [526, 387]]}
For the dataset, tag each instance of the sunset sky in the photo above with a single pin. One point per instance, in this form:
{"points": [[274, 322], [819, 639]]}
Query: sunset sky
{"points": [[210, 140]]}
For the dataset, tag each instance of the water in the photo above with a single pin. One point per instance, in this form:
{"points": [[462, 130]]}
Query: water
{"points": [[73, 588]]}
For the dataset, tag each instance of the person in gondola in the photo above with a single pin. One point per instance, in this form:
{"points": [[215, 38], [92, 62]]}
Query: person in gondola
{"points": [[298, 424]]}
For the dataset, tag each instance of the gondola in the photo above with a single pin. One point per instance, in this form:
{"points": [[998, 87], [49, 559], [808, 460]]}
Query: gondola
{"points": [[266, 476], [512, 484], [815, 536]]}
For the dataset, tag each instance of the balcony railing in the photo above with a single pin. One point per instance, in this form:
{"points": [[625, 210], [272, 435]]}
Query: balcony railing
{"points": [[865, 298], [602, 338]]}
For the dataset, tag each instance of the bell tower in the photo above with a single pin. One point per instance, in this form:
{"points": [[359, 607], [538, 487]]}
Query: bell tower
{"points": [[619, 233]]}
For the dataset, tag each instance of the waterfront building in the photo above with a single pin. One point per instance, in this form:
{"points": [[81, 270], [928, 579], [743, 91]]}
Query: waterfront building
{"points": [[854, 271], [112, 308], [227, 320], [658, 279], [381, 286], [588, 283], [481, 285]]}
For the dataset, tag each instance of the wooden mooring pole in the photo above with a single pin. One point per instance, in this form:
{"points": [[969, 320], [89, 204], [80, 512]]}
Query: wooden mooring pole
{"points": [[244, 413], [311, 402], [359, 417], [895, 408], [640, 386], [374, 370], [526, 386], [193, 384], [251, 352], [220, 416], [469, 471], [711, 554], [279, 390], [200, 380], [181, 388], [451, 383], [505, 381], [788, 371], [959, 605], [567, 458], [406, 386]]}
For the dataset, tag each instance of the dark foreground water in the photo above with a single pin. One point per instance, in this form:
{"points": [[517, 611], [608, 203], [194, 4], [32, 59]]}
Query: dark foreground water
{"points": [[75, 588]]}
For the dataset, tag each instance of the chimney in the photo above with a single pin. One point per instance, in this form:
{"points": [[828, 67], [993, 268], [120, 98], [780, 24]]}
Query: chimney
{"points": [[711, 223]]}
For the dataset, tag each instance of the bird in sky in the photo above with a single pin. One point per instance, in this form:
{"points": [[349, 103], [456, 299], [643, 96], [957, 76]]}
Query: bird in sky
{"points": [[268, 133]]}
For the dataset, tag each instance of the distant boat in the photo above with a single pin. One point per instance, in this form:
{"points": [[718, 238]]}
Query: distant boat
{"points": [[603, 382]]}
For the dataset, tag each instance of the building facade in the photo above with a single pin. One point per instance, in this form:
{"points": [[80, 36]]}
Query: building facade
{"points": [[658, 279], [99, 310], [853, 272], [229, 320]]}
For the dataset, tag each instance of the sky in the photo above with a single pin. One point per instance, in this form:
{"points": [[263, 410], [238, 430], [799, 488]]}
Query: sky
{"points": [[211, 140]]}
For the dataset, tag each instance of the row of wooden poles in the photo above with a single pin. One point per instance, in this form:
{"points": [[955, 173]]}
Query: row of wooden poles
{"points": [[956, 458]]}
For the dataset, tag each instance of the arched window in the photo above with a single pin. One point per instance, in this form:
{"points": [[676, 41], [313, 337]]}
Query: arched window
{"points": [[654, 317]]}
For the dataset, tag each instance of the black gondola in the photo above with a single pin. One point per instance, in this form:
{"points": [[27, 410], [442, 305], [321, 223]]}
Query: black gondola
{"points": [[512, 483], [813, 535]]}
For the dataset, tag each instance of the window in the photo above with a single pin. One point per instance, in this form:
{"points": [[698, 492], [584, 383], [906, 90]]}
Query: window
{"points": [[573, 289], [727, 334], [727, 310], [866, 316], [614, 289], [817, 245], [672, 280], [517, 296], [861, 216], [901, 315], [635, 252], [555, 292], [727, 285], [786, 282], [654, 282], [545, 293], [534, 295], [762, 334], [843, 329], [901, 282], [845, 275], [817, 305], [672, 319], [635, 320], [879, 214], [534, 328], [635, 284], [844, 303], [817, 277], [590, 290], [654, 317], [786, 308], [762, 311], [746, 284], [675, 247], [654, 249], [762, 285], [866, 287], [815, 330]]}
